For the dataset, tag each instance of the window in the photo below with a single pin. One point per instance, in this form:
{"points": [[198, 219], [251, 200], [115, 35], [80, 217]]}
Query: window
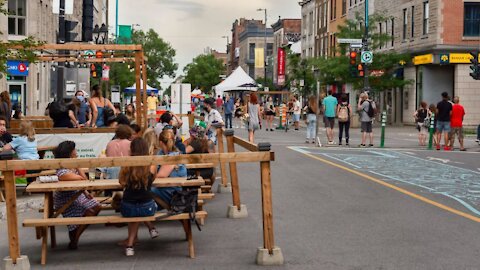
{"points": [[344, 7], [471, 20], [17, 15], [393, 31], [332, 3], [325, 13], [311, 22], [251, 51], [269, 49], [412, 34], [405, 23], [380, 32], [351, 2], [426, 16]]}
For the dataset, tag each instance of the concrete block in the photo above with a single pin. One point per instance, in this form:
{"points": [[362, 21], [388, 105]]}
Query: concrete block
{"points": [[265, 258], [224, 189], [233, 211], [22, 263]]}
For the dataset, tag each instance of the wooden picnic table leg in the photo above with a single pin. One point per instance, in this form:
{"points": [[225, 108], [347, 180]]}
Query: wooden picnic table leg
{"points": [[53, 235], [2, 198], [15, 260], [191, 248], [269, 254], [46, 214], [224, 186], [237, 210]]}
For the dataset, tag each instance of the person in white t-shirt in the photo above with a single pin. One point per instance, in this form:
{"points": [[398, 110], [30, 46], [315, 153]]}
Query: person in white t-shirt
{"points": [[213, 119], [297, 111]]}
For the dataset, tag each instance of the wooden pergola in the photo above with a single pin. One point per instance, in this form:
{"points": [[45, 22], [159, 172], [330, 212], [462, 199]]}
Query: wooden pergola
{"points": [[111, 53]]}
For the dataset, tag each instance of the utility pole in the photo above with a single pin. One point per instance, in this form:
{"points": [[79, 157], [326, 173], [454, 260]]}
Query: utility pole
{"points": [[61, 40], [366, 83], [265, 53]]}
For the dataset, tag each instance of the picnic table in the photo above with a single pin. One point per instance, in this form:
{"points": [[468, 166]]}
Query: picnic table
{"points": [[50, 216]]}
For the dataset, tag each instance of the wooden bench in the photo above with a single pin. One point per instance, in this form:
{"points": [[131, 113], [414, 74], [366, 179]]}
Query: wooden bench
{"points": [[51, 217]]}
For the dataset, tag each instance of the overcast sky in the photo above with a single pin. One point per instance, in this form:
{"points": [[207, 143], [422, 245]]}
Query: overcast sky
{"points": [[192, 25]]}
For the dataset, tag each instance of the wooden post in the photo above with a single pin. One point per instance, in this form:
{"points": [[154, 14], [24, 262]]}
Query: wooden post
{"points": [[221, 149], [191, 119], [138, 96], [144, 97], [268, 238], [233, 170], [11, 204]]}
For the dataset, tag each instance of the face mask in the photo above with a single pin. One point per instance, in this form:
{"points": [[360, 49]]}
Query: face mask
{"points": [[81, 98]]}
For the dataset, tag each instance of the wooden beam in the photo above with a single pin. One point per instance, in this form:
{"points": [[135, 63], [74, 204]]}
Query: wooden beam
{"points": [[233, 172], [267, 209], [138, 96], [86, 60], [79, 47], [66, 131], [221, 149], [245, 144], [144, 96], [48, 164], [12, 220]]}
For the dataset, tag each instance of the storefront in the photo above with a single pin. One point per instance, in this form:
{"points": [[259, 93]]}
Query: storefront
{"points": [[17, 72]]}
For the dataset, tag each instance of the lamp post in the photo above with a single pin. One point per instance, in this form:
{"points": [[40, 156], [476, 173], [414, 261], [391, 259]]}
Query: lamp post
{"points": [[100, 34], [316, 74], [228, 41], [264, 49]]}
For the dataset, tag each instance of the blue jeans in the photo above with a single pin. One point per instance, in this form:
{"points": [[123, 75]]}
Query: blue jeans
{"points": [[443, 126], [311, 125], [228, 119], [165, 194], [138, 209]]}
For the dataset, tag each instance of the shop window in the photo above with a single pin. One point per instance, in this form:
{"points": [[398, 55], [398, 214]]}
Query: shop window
{"points": [[471, 19]]}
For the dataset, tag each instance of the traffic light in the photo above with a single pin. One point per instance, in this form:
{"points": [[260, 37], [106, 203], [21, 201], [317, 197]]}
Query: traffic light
{"points": [[353, 64], [69, 27], [475, 74], [361, 72]]}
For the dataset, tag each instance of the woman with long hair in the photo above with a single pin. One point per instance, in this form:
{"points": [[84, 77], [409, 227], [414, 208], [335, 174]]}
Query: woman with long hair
{"points": [[130, 113], [84, 205], [6, 106], [198, 144], [270, 114], [344, 114], [253, 111], [152, 141], [166, 141], [311, 109], [98, 105], [137, 198]]}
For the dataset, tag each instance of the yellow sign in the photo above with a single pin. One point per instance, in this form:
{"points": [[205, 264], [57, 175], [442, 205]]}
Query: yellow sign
{"points": [[423, 59], [259, 58], [460, 58]]}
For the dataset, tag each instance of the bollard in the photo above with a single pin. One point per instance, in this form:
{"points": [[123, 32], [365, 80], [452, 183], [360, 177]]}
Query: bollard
{"points": [[384, 122], [282, 113], [432, 128]]}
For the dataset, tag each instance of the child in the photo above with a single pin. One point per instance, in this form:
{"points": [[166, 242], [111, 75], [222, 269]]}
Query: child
{"points": [[137, 198]]}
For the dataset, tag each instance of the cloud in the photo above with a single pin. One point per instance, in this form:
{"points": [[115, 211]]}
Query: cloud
{"points": [[188, 6]]}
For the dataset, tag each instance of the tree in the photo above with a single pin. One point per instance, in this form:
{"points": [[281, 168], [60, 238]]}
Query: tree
{"points": [[270, 84], [204, 72], [121, 75], [335, 70], [160, 56], [300, 70], [26, 52]]}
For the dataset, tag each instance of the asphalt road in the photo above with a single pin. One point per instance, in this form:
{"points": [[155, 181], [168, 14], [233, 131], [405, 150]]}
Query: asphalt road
{"points": [[326, 216]]}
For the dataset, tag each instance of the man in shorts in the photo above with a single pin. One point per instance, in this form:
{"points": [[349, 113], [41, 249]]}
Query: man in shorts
{"points": [[330, 107], [152, 102], [456, 123], [297, 111], [365, 119], [444, 112]]}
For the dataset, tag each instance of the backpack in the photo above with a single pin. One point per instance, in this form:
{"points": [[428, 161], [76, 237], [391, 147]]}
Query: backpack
{"points": [[185, 201], [108, 115], [371, 111], [56, 108], [343, 114]]}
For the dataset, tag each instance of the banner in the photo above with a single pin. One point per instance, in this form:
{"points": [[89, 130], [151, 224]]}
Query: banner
{"points": [[259, 58], [281, 66], [124, 34], [87, 145]]}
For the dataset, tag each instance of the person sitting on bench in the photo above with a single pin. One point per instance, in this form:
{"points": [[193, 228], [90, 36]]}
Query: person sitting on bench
{"points": [[198, 144], [84, 205]]}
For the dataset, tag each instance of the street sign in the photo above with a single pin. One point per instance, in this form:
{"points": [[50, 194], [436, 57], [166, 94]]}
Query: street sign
{"points": [[17, 68], [350, 40], [367, 57], [445, 59], [356, 45]]}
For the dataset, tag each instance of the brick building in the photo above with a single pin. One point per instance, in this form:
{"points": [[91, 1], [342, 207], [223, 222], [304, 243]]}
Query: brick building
{"points": [[285, 32], [439, 34]]}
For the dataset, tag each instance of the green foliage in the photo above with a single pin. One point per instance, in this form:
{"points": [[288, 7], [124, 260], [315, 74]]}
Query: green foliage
{"points": [[160, 56], [121, 75], [204, 72], [300, 69], [269, 84]]}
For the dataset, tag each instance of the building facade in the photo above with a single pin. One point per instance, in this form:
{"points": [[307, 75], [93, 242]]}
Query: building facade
{"points": [[439, 34], [309, 27], [285, 32], [252, 37], [322, 37], [37, 19]]}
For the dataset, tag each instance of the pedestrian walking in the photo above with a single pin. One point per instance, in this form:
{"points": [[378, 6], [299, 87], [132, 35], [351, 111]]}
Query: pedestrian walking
{"points": [[420, 115], [253, 118], [444, 109], [311, 110], [152, 103], [329, 107], [270, 114], [456, 123], [366, 107], [213, 120], [229, 108], [219, 102], [344, 113], [297, 111]]}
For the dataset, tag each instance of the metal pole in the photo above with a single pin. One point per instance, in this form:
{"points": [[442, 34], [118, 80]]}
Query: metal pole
{"points": [[116, 22], [384, 121], [61, 40], [265, 53], [366, 83], [432, 128]]}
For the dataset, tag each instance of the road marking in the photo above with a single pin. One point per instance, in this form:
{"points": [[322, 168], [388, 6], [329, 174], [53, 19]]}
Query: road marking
{"points": [[383, 183]]}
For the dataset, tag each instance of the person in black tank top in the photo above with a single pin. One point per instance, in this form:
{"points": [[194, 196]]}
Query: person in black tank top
{"points": [[420, 115]]}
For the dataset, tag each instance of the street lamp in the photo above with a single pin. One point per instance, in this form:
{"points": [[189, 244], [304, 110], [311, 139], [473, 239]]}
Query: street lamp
{"points": [[264, 49], [228, 42], [100, 34]]}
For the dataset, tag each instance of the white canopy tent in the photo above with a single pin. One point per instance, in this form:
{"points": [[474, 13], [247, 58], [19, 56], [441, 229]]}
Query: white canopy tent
{"points": [[132, 89], [237, 81]]}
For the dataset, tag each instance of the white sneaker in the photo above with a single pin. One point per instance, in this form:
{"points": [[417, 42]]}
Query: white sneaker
{"points": [[129, 251], [153, 233]]}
